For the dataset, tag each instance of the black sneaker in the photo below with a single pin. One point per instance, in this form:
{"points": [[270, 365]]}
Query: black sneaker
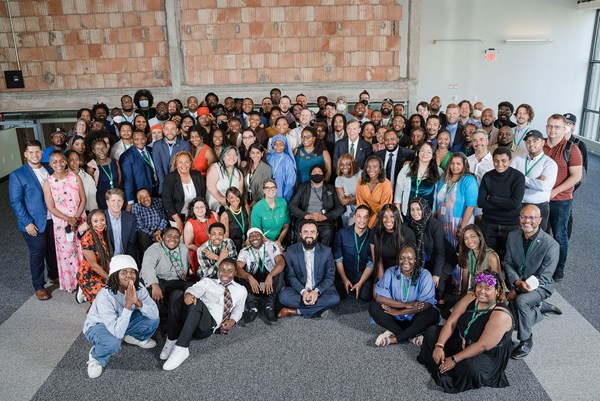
{"points": [[250, 315], [270, 314]]}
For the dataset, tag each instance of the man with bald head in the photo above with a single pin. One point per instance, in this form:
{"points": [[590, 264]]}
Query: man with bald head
{"points": [[506, 138], [487, 124], [530, 261]]}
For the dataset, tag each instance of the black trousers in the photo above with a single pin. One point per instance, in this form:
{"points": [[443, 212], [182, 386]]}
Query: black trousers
{"points": [[496, 235], [189, 321], [171, 289], [252, 298], [404, 329], [366, 291], [143, 243]]}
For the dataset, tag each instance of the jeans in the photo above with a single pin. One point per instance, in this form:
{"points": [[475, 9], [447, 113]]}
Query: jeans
{"points": [[42, 249], [559, 222], [105, 344]]}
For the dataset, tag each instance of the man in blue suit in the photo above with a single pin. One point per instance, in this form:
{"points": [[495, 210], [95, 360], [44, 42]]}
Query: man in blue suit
{"points": [[310, 272], [353, 144], [137, 170], [27, 200], [164, 150], [121, 225]]}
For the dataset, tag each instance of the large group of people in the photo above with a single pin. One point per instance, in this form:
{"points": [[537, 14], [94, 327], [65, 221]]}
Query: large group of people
{"points": [[452, 226]]}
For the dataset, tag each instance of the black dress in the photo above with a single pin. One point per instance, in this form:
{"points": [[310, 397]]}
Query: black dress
{"points": [[238, 226], [389, 253], [486, 369]]}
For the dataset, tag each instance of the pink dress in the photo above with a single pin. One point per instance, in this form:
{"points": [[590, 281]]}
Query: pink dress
{"points": [[65, 193]]}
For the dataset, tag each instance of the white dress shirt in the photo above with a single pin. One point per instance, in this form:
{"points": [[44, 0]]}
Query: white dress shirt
{"points": [[536, 190], [210, 291]]}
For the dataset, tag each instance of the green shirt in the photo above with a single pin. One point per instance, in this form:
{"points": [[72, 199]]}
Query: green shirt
{"points": [[270, 221]]}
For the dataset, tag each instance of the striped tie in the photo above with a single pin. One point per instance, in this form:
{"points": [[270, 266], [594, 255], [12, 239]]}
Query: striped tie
{"points": [[227, 303]]}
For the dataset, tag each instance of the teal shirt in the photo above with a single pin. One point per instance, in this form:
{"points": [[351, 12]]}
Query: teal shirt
{"points": [[270, 221]]}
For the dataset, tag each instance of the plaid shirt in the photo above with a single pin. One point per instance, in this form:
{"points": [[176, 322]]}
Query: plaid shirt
{"points": [[151, 218], [208, 267]]}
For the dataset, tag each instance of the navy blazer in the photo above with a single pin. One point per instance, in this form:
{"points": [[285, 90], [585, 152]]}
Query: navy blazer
{"points": [[27, 198], [363, 150], [137, 174], [323, 268], [128, 233], [162, 159]]}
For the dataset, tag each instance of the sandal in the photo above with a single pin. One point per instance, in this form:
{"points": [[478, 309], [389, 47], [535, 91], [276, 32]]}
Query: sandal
{"points": [[418, 341], [384, 339]]}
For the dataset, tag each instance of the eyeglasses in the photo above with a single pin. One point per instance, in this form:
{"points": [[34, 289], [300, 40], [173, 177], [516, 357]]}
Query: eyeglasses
{"points": [[554, 127], [247, 137], [269, 188], [525, 218]]}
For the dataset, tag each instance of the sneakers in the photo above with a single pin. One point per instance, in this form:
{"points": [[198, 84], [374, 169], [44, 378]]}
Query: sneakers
{"points": [[166, 351], [270, 314], [146, 344], [178, 355], [94, 368], [79, 297]]}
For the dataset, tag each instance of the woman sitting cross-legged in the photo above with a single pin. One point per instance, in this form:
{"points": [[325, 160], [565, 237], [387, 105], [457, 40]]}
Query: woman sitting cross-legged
{"points": [[123, 310], [473, 348], [403, 301]]}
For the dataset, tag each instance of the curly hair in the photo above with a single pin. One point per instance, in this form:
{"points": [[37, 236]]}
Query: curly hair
{"points": [[104, 256]]}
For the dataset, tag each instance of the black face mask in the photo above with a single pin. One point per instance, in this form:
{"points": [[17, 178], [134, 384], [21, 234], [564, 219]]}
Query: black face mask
{"points": [[365, 102], [223, 125], [317, 178]]}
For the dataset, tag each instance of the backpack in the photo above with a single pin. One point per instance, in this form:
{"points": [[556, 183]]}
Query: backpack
{"points": [[567, 157]]}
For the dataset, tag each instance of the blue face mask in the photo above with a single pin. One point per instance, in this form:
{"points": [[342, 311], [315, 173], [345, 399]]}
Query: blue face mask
{"points": [[144, 104]]}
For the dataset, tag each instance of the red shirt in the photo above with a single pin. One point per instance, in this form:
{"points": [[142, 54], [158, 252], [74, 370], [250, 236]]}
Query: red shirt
{"points": [[557, 153]]}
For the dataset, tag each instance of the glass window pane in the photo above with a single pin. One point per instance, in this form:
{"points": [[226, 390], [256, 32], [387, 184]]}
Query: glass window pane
{"points": [[596, 54], [590, 125], [593, 101]]}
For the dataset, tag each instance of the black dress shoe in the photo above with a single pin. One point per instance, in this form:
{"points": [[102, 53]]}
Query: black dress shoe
{"points": [[523, 349], [547, 307], [250, 315], [558, 276], [270, 314]]}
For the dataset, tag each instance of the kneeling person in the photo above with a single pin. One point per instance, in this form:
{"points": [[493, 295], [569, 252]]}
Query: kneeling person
{"points": [[207, 306], [123, 310], [259, 268]]}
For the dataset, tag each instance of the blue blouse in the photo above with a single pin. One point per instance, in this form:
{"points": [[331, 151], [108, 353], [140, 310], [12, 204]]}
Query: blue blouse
{"points": [[390, 286]]}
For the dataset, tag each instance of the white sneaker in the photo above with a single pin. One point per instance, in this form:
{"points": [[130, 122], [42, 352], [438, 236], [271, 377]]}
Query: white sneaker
{"points": [[166, 351], [94, 368], [79, 297], [178, 355], [146, 344]]}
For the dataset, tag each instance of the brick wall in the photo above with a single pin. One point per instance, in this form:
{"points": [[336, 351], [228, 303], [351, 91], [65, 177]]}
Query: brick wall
{"points": [[279, 41], [86, 44]]}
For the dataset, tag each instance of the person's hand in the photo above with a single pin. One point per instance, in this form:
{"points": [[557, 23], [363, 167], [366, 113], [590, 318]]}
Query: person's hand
{"points": [[227, 326], [512, 295], [391, 311], [130, 295], [269, 285], [436, 280], [309, 297], [72, 221], [156, 236], [83, 227], [319, 217], [180, 226], [356, 287], [553, 194], [189, 299], [438, 355], [225, 250], [128, 207], [31, 230], [210, 254], [522, 284], [157, 294], [278, 243], [416, 305], [542, 178], [347, 285], [223, 201], [447, 365], [253, 285]]}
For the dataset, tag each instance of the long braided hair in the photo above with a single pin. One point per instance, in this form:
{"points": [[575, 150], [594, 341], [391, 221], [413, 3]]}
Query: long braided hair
{"points": [[104, 256]]}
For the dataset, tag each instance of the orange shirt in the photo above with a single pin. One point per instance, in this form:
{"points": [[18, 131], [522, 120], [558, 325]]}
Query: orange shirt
{"points": [[381, 195]]}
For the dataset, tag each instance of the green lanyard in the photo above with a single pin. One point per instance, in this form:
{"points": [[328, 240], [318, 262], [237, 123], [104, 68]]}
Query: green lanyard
{"points": [[474, 316], [419, 180], [242, 224], [472, 266], [359, 248], [108, 173], [229, 176], [147, 159], [525, 257], [527, 170], [258, 261], [174, 259], [522, 136], [405, 289], [448, 190]]}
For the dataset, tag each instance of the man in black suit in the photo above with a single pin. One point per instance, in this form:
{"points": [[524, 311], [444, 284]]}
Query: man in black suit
{"points": [[121, 224], [435, 105], [393, 156], [454, 128], [318, 202], [353, 144]]}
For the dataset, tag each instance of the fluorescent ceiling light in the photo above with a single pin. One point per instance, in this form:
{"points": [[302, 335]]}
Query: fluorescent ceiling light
{"points": [[540, 41], [456, 41]]}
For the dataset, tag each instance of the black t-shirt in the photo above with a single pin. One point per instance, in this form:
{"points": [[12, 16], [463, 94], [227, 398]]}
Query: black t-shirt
{"points": [[389, 253]]}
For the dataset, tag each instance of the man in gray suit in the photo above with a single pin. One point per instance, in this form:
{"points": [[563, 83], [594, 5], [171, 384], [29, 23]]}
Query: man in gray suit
{"points": [[530, 261]]}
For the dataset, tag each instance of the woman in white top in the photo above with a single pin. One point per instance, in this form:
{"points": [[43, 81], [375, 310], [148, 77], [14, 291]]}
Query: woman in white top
{"points": [[346, 181], [221, 176]]}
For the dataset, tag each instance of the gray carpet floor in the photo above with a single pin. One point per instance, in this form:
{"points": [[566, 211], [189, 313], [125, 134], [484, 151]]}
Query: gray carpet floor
{"points": [[294, 359]]}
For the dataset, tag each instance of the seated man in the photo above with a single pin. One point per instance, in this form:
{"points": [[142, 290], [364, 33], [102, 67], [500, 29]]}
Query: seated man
{"points": [[150, 218], [353, 260], [317, 202], [310, 272], [212, 252], [530, 262], [165, 268], [207, 306], [259, 268], [123, 310], [120, 224]]}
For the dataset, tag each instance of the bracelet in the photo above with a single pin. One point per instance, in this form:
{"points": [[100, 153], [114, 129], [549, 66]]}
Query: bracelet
{"points": [[439, 345], [453, 359]]}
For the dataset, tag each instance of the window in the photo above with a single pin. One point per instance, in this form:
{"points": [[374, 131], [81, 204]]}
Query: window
{"points": [[590, 126]]}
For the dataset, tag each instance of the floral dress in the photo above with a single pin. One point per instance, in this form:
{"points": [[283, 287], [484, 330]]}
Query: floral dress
{"points": [[89, 281], [65, 193]]}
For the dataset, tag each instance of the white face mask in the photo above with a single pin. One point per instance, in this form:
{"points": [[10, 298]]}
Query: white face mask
{"points": [[341, 107], [477, 113], [118, 119], [144, 103], [567, 129]]}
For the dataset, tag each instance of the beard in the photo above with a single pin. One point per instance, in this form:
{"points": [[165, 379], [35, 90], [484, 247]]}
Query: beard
{"points": [[310, 245]]}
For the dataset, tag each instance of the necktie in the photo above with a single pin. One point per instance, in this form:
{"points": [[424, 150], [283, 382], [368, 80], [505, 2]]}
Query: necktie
{"points": [[388, 166], [227, 303], [309, 277], [352, 150]]}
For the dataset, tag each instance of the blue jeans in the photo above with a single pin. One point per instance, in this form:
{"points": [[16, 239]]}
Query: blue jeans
{"points": [[42, 249], [559, 222], [105, 344]]}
